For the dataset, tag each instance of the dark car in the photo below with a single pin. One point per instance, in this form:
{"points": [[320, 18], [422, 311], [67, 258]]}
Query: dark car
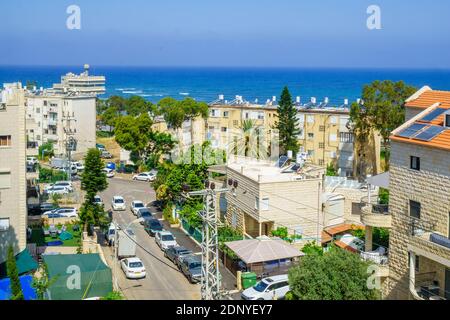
{"points": [[144, 213], [38, 209], [152, 226], [175, 253], [191, 266]]}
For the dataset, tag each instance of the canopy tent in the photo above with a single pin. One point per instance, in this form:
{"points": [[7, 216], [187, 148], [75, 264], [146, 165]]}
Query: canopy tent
{"points": [[78, 276], [381, 180], [263, 250], [25, 263], [29, 292]]}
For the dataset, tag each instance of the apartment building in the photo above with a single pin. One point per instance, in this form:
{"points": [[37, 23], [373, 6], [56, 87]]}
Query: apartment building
{"points": [[419, 262], [55, 117], [82, 83], [13, 211], [271, 195]]}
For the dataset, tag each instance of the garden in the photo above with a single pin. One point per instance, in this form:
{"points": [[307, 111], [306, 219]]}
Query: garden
{"points": [[65, 235]]}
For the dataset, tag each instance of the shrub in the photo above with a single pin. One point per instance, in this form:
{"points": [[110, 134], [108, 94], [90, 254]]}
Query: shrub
{"points": [[280, 232]]}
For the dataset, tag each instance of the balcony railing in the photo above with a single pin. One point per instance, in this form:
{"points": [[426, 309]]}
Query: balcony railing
{"points": [[32, 145], [375, 214], [375, 206], [427, 287], [376, 257]]}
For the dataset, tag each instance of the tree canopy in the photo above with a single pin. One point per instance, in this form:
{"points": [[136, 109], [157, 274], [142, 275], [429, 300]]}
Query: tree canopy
{"points": [[335, 275], [288, 123], [13, 275], [176, 112]]}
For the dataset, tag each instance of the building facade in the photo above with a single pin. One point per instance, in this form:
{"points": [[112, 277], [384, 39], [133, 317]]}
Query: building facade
{"points": [[419, 262], [268, 197], [82, 83], [13, 211], [54, 118]]}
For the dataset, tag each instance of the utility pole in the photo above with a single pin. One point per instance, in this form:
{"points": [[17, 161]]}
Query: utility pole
{"points": [[210, 284], [69, 141]]}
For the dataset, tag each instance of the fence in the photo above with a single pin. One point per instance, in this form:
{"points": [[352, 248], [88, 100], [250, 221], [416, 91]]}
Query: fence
{"points": [[192, 231]]}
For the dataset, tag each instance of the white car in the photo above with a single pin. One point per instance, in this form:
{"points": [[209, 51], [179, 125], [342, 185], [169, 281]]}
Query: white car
{"points": [[145, 176], [57, 190], [270, 288], [136, 205], [66, 184], [165, 240], [98, 201], [133, 268], [109, 172], [118, 203], [78, 165], [63, 212], [32, 160]]}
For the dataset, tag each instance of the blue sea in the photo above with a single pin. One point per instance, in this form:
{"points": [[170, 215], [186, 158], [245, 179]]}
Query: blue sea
{"points": [[205, 84]]}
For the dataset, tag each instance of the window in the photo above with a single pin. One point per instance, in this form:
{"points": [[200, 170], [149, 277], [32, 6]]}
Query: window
{"points": [[214, 113], [262, 204], [321, 162], [321, 145], [4, 224], [333, 154], [346, 137], [310, 119], [310, 135], [38, 110], [5, 179], [5, 141], [224, 129], [414, 209], [235, 123], [310, 153], [322, 128], [333, 120], [45, 102], [225, 114], [333, 137], [415, 163]]}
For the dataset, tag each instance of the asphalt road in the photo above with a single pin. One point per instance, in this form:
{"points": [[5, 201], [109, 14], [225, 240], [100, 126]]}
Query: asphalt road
{"points": [[163, 281]]}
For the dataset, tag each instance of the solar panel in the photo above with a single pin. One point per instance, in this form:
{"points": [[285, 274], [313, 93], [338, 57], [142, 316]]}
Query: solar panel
{"points": [[430, 133], [412, 130], [282, 161], [433, 115]]}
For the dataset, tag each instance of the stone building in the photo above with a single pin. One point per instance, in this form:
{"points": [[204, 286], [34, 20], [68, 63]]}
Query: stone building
{"points": [[419, 248]]}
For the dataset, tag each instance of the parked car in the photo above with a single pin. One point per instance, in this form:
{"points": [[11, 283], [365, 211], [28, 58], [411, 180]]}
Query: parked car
{"points": [[133, 268], [78, 165], [100, 147], [268, 289], [110, 234], [64, 212], [32, 161], [191, 267], [144, 213], [47, 206], [98, 201], [106, 155], [152, 226], [165, 240], [136, 205], [57, 190], [109, 172], [145, 176], [66, 184], [118, 203], [175, 254]]}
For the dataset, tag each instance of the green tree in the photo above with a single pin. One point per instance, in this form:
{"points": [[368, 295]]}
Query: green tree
{"points": [[331, 170], [312, 248], [45, 150], [114, 295], [93, 181], [13, 275], [288, 123], [43, 283], [382, 108], [176, 112], [335, 275]]}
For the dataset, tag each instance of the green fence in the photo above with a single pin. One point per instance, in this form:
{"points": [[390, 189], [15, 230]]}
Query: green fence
{"points": [[193, 232]]}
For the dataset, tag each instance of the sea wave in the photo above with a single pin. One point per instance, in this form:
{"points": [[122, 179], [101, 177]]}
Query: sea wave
{"points": [[184, 93]]}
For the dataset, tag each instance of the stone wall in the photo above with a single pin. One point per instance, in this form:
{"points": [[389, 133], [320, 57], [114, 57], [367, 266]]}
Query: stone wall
{"points": [[430, 186]]}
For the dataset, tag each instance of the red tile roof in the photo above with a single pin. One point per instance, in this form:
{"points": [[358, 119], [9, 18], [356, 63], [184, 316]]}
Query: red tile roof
{"points": [[428, 98]]}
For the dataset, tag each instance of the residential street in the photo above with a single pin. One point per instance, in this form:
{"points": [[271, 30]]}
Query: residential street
{"points": [[163, 281]]}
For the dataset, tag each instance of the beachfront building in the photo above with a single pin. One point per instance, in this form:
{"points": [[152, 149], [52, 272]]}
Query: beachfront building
{"points": [[273, 195], [82, 83], [13, 210], [419, 259], [54, 117]]}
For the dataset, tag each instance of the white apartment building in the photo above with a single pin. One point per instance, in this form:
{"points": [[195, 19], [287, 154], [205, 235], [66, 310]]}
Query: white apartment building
{"points": [[82, 83], [13, 211], [54, 117]]}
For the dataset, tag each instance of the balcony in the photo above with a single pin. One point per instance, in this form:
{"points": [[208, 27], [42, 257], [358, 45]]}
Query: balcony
{"points": [[425, 286], [426, 241], [32, 148], [379, 257], [375, 214]]}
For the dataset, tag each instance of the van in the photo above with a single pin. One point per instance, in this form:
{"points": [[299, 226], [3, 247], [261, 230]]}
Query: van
{"points": [[110, 234]]}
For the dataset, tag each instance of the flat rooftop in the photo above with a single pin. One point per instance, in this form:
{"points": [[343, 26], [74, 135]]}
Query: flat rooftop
{"points": [[265, 171]]}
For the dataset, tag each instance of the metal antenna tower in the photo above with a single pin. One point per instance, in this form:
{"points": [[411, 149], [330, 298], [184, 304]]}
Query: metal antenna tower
{"points": [[210, 284]]}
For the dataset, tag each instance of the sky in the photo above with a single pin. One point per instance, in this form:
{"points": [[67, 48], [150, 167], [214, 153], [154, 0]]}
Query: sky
{"points": [[227, 33]]}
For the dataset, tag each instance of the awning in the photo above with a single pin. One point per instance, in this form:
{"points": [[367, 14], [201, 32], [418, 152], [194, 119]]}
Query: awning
{"points": [[381, 180], [256, 250], [25, 263]]}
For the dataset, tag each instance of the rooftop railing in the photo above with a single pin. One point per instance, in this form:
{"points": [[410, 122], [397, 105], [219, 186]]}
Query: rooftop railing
{"points": [[375, 205]]}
